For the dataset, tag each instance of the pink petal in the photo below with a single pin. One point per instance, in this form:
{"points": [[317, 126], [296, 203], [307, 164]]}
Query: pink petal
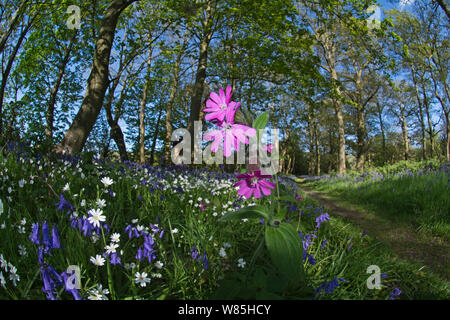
{"points": [[257, 192], [240, 183], [209, 135], [228, 94], [219, 115], [267, 184], [265, 190], [230, 115], [215, 98], [248, 193], [227, 144], [211, 105]]}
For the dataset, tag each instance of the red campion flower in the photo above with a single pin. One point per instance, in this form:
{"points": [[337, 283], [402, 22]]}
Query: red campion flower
{"points": [[254, 184]]}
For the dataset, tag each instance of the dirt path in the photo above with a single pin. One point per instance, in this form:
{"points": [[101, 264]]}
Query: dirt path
{"points": [[432, 252]]}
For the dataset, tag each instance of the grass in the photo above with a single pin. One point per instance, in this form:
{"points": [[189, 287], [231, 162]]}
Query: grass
{"points": [[420, 200], [179, 209]]}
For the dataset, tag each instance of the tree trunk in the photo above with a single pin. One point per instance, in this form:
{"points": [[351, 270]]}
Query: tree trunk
{"points": [[75, 138], [316, 149], [444, 7], [18, 14], [115, 131], [54, 91], [7, 71], [341, 131], [196, 100], [311, 162], [170, 103], [361, 137], [405, 134], [142, 109], [429, 121], [383, 135], [155, 138]]}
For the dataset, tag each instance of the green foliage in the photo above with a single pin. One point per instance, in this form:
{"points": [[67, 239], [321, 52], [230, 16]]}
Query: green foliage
{"points": [[286, 250]]}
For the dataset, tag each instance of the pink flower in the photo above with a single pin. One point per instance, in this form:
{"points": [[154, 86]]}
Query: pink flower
{"points": [[269, 148], [220, 105], [230, 133], [254, 184]]}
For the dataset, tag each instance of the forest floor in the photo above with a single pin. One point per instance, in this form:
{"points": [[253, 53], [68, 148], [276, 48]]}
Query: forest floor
{"points": [[408, 244]]}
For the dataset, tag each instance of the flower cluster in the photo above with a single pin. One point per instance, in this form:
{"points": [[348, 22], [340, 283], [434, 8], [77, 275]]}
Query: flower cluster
{"points": [[329, 287], [221, 111]]}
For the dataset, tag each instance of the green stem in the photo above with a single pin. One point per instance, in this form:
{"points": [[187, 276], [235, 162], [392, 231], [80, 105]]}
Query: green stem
{"points": [[108, 269], [278, 195]]}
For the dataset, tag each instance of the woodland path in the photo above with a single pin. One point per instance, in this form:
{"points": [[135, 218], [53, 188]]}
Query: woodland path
{"points": [[431, 251]]}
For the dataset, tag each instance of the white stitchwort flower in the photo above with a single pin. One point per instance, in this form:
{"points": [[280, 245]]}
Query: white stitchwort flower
{"points": [[94, 238], [22, 250], [98, 293], [101, 203], [107, 181], [2, 280], [111, 248], [96, 217], [98, 260], [141, 279], [130, 266], [66, 187], [226, 245], [13, 276], [241, 263], [115, 237], [159, 264], [222, 252], [174, 231]]}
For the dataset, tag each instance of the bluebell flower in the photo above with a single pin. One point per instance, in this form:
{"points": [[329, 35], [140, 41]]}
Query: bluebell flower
{"points": [[205, 261], [55, 238], [115, 259], [321, 219], [195, 253], [45, 235], [140, 254], [35, 233], [395, 293], [75, 293], [329, 287], [64, 204]]}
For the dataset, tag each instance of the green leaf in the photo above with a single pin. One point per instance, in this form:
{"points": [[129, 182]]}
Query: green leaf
{"points": [[286, 250], [261, 121], [252, 212]]}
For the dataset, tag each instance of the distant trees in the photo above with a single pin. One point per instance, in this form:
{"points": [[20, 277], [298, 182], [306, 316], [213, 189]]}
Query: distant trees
{"points": [[343, 93]]}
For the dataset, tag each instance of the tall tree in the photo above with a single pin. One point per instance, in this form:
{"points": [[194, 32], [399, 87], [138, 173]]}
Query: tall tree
{"points": [[77, 134]]}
